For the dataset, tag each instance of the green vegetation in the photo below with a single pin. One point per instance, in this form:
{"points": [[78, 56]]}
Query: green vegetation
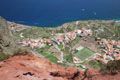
{"points": [[59, 31], [80, 67], [36, 32], [40, 50], [22, 51], [112, 67], [4, 56], [71, 27], [16, 35], [77, 39], [84, 53], [106, 34], [66, 50], [45, 36], [44, 53], [52, 58], [68, 58], [73, 42], [94, 64], [117, 31], [47, 47], [60, 46]]}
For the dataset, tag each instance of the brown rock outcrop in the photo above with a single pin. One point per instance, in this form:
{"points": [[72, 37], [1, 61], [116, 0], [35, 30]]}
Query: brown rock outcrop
{"points": [[34, 68], [7, 42]]}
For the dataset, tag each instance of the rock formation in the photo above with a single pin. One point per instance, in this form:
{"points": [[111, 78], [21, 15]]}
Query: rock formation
{"points": [[7, 43]]}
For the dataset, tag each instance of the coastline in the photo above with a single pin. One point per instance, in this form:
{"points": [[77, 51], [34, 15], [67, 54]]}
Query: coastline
{"points": [[59, 25]]}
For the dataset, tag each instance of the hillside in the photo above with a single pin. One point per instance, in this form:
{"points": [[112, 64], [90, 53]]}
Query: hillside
{"points": [[34, 68], [74, 51], [7, 42], [60, 44]]}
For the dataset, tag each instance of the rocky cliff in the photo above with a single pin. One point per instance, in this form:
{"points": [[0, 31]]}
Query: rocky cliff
{"points": [[7, 43]]}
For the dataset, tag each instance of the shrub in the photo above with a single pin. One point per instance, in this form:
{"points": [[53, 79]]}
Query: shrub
{"points": [[22, 51], [94, 64], [4, 56], [60, 47], [59, 31], [44, 53], [112, 67], [17, 35], [47, 47], [69, 58]]}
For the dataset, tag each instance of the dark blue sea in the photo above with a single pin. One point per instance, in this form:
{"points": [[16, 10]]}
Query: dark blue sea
{"points": [[52, 13]]}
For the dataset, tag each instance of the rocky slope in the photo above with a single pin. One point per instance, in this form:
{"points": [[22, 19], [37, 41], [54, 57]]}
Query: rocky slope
{"points": [[25, 67], [7, 43]]}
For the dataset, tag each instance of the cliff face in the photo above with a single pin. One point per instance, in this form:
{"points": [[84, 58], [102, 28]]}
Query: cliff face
{"points": [[4, 28], [7, 43]]}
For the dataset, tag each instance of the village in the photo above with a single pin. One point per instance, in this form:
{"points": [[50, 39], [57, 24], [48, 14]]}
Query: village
{"points": [[110, 48], [59, 39]]}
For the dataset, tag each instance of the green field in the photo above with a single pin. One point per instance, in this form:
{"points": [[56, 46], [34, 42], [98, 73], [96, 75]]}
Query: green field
{"points": [[50, 56], [84, 53], [94, 64]]}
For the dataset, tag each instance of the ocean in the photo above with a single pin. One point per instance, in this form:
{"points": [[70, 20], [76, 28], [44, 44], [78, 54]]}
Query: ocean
{"points": [[52, 13]]}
